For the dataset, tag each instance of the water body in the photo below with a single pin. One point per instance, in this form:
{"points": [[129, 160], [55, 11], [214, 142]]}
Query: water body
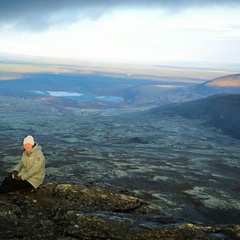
{"points": [[84, 97]]}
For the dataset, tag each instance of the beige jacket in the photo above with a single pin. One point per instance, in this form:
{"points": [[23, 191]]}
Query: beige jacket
{"points": [[32, 166]]}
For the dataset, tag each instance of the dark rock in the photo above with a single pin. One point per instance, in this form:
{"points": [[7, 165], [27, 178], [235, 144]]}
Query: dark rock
{"points": [[8, 215], [64, 211]]}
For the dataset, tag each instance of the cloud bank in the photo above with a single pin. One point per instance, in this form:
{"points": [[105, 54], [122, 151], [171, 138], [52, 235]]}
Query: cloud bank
{"points": [[41, 14]]}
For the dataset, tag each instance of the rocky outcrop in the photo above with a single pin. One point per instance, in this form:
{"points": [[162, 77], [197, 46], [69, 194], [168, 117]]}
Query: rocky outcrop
{"points": [[64, 211]]}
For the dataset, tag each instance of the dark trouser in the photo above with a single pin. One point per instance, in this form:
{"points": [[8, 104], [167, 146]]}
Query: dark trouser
{"points": [[10, 184]]}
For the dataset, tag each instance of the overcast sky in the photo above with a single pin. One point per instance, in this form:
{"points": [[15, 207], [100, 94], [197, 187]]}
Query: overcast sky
{"points": [[137, 31]]}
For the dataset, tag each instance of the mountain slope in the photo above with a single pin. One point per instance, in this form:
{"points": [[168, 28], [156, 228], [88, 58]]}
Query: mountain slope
{"points": [[220, 111], [224, 84], [229, 81], [165, 93]]}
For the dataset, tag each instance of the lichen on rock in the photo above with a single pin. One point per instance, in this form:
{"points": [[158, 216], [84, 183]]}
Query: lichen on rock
{"points": [[65, 211]]}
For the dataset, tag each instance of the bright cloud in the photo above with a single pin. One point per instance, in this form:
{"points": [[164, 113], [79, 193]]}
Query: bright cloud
{"points": [[148, 33]]}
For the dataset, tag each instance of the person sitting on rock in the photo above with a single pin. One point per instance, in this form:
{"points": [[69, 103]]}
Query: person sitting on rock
{"points": [[29, 172]]}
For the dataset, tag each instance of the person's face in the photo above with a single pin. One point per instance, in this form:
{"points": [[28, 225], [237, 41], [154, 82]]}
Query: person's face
{"points": [[28, 147]]}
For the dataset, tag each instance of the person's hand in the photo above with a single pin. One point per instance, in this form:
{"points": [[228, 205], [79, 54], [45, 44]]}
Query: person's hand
{"points": [[18, 178], [15, 175]]}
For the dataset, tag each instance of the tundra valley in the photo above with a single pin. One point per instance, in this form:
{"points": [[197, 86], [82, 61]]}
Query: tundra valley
{"points": [[170, 135]]}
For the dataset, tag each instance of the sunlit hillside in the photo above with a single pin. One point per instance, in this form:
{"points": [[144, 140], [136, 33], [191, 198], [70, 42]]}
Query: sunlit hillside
{"points": [[231, 81]]}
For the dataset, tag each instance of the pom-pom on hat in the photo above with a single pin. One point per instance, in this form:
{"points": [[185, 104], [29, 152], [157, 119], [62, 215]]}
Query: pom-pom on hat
{"points": [[28, 139]]}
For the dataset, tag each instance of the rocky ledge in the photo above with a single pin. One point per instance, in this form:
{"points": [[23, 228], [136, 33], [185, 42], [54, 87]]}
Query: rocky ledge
{"points": [[65, 211]]}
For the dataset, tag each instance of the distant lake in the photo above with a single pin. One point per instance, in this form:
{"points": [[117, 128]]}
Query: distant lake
{"points": [[79, 96]]}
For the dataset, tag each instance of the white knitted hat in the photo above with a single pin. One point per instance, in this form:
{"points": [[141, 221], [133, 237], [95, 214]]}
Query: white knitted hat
{"points": [[28, 139]]}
